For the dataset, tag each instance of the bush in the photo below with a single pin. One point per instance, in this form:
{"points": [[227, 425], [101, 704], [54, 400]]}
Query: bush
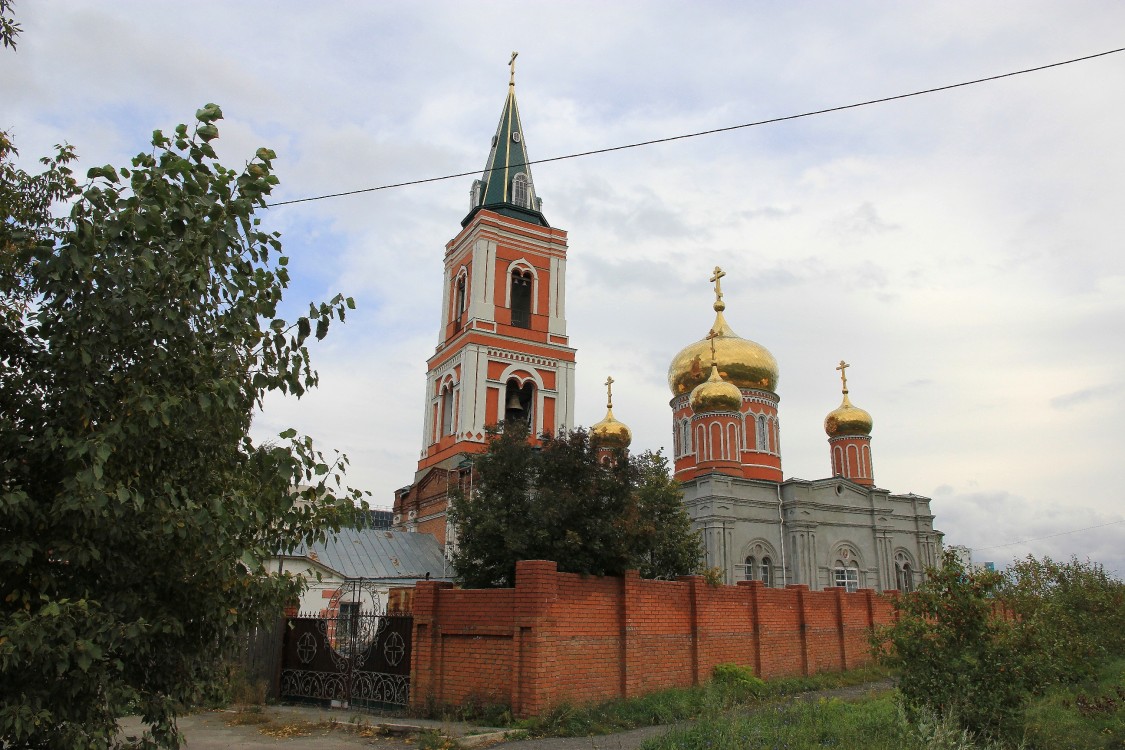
{"points": [[739, 677], [956, 659], [974, 647]]}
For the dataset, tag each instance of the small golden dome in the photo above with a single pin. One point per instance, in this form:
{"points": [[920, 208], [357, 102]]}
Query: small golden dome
{"points": [[847, 420], [611, 433], [742, 362], [716, 394]]}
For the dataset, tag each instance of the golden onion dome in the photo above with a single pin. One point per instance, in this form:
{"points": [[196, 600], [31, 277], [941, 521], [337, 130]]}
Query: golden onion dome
{"points": [[610, 432], [742, 362], [716, 394], [847, 419]]}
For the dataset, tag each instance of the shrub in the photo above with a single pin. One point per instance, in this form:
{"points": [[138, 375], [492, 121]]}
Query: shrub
{"points": [[956, 659], [739, 677]]}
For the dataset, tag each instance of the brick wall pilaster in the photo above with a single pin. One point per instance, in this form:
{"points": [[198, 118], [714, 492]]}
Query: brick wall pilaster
{"points": [[753, 590], [537, 589], [800, 590], [696, 587], [631, 658], [425, 651]]}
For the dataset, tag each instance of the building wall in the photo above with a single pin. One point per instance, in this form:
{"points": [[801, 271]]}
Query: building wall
{"points": [[560, 637], [822, 521]]}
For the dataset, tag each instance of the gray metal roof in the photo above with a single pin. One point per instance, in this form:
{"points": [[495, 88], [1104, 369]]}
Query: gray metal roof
{"points": [[380, 554]]}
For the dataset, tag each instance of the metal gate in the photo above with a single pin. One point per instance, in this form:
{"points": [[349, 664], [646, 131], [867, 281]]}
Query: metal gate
{"points": [[353, 654]]}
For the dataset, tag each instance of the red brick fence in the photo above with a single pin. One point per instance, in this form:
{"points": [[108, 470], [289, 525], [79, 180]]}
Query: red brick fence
{"points": [[561, 637]]}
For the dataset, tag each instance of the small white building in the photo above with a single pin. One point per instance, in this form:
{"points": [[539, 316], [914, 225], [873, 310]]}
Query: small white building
{"points": [[353, 570]]}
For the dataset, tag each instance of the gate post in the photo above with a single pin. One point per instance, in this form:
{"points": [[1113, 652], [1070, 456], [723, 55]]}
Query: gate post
{"points": [[425, 678]]}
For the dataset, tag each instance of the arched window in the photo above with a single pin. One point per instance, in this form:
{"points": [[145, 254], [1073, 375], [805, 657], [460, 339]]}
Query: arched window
{"points": [[763, 435], [461, 284], [474, 194], [519, 190], [904, 576], [766, 576], [521, 298], [685, 439], [447, 410], [847, 576], [519, 402], [749, 572]]}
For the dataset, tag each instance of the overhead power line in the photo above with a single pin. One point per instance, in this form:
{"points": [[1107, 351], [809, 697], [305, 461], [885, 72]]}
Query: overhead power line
{"points": [[701, 133], [1049, 536]]}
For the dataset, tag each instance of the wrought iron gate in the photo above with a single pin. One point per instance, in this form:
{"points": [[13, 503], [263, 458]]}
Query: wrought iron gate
{"points": [[353, 654]]}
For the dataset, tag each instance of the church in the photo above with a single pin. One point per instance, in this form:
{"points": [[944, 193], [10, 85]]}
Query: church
{"points": [[503, 354]]}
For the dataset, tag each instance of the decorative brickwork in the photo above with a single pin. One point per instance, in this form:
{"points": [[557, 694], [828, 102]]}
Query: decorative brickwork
{"points": [[560, 637]]}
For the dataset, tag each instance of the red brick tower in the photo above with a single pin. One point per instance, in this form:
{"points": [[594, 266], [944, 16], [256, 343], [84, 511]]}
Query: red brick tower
{"points": [[610, 434], [502, 353], [756, 449], [849, 438]]}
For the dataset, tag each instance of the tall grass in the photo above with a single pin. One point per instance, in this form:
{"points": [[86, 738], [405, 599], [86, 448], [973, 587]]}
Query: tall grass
{"points": [[1088, 716], [681, 704]]}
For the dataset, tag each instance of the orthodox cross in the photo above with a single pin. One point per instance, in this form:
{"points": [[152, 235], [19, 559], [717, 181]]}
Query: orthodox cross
{"points": [[609, 392], [719, 274], [844, 375], [711, 336], [512, 65]]}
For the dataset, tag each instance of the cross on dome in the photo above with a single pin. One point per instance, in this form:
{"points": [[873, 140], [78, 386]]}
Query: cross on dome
{"points": [[711, 336], [717, 278], [609, 392], [512, 66], [844, 375]]}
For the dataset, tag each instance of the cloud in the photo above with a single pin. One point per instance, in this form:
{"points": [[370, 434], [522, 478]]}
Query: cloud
{"points": [[1085, 395]]}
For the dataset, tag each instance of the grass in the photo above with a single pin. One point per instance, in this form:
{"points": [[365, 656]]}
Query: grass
{"points": [[665, 707], [1089, 716]]}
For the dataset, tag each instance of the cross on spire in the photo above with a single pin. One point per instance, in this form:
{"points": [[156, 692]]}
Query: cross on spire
{"points": [[844, 375], [711, 336], [609, 392], [716, 277], [512, 65]]}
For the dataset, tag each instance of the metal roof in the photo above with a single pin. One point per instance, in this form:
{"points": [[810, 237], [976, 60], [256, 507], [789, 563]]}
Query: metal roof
{"points": [[380, 553]]}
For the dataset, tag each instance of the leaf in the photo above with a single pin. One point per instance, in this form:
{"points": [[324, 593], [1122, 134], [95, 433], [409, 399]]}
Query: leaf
{"points": [[209, 113], [321, 328]]}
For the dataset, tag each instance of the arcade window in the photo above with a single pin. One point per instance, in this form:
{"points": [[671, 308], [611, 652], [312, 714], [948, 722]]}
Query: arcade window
{"points": [[521, 298]]}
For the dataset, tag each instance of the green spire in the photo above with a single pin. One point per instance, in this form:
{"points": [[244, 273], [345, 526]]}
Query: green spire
{"points": [[506, 186]]}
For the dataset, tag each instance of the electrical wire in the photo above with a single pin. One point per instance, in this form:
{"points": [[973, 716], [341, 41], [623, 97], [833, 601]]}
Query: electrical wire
{"points": [[1049, 536], [701, 133]]}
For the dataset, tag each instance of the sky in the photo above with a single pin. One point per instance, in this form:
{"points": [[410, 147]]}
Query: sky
{"points": [[961, 250]]}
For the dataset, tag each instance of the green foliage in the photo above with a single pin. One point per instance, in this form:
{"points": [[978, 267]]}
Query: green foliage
{"points": [[1084, 716], [740, 677], [955, 658], [974, 648], [557, 501], [138, 335], [1071, 616], [9, 28]]}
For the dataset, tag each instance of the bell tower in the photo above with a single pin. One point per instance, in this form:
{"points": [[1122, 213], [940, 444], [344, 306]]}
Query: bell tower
{"points": [[503, 352]]}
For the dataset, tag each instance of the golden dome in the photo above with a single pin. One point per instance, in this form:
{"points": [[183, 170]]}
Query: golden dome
{"points": [[610, 432], [716, 394], [847, 419], [742, 362]]}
